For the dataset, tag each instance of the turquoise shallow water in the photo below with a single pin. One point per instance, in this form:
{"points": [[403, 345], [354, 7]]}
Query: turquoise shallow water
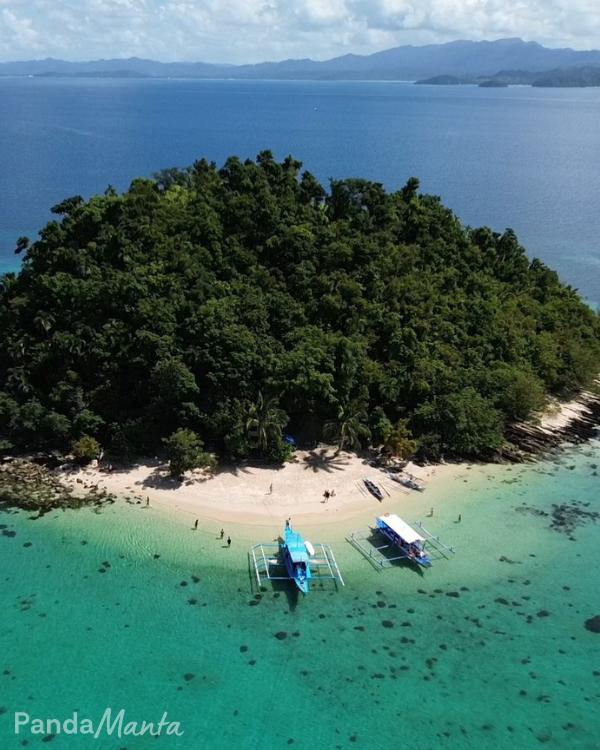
{"points": [[122, 609]]}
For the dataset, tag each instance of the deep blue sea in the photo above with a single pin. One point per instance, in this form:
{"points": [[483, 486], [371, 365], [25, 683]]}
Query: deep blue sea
{"points": [[518, 157]]}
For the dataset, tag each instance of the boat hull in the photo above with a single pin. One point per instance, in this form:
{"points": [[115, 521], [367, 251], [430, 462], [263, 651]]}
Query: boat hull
{"points": [[373, 489], [295, 557], [300, 580]]}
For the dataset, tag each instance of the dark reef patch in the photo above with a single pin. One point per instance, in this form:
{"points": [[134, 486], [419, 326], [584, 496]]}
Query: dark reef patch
{"points": [[593, 624], [565, 518]]}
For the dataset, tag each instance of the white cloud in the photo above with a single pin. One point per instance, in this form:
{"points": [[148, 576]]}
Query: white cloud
{"points": [[18, 34], [254, 30]]}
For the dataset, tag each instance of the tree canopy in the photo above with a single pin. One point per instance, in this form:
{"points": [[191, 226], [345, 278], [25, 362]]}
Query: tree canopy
{"points": [[240, 301]]}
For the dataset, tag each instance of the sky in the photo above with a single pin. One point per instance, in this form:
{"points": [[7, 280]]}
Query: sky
{"points": [[238, 31]]}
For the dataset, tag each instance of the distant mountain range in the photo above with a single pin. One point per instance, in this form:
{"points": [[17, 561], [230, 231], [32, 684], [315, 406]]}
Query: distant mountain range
{"points": [[465, 61]]}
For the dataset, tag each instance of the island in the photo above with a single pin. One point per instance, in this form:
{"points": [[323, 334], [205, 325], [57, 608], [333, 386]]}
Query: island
{"points": [[493, 83], [446, 80], [238, 312], [585, 77], [581, 77]]}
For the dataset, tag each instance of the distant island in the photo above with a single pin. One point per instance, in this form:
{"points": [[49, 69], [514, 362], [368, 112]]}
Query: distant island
{"points": [[452, 63], [558, 78], [446, 80], [493, 83], [571, 77], [236, 311]]}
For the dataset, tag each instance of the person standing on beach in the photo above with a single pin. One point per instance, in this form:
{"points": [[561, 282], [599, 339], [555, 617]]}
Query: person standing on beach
{"points": [[271, 488], [228, 541], [196, 525], [459, 517], [222, 533], [147, 501]]}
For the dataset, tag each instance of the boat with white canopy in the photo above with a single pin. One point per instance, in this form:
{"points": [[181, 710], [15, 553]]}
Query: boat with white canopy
{"points": [[404, 537], [403, 543]]}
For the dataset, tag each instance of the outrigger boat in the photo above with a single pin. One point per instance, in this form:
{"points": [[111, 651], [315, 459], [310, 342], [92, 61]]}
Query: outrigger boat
{"points": [[373, 489], [408, 481], [402, 542], [403, 536], [296, 557]]}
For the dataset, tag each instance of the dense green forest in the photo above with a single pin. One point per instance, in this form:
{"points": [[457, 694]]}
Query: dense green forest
{"points": [[230, 306]]}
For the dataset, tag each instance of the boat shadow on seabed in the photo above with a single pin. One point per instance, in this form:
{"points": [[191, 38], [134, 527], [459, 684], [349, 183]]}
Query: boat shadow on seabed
{"points": [[384, 556], [275, 587]]}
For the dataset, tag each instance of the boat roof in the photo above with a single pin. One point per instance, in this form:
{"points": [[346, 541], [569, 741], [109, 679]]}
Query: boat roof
{"points": [[400, 527], [295, 545]]}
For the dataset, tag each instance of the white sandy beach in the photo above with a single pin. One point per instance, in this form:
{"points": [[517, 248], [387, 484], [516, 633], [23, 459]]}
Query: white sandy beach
{"points": [[253, 494]]}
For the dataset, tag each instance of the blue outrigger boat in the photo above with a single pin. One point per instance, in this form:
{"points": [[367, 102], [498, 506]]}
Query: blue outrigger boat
{"points": [[296, 558], [403, 536]]}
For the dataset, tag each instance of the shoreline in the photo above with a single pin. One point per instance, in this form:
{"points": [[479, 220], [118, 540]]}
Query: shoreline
{"points": [[563, 422], [252, 495]]}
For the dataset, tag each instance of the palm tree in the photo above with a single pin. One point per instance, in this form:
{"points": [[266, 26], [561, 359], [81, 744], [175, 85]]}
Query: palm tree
{"points": [[265, 422], [348, 427]]}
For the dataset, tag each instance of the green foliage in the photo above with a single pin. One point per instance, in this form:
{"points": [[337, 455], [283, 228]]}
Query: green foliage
{"points": [[399, 441], [349, 427], [264, 425], [9, 410], [87, 423], [380, 426], [86, 449], [279, 452], [517, 393], [172, 382], [185, 301], [467, 423], [185, 451]]}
